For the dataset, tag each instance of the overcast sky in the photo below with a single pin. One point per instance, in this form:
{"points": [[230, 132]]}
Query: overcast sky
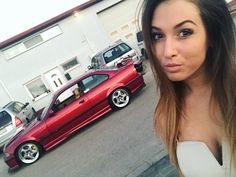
{"points": [[17, 16]]}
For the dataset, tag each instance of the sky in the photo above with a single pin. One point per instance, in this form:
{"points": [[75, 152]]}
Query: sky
{"points": [[17, 16]]}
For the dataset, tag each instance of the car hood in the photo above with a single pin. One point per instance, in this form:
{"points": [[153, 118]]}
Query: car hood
{"points": [[25, 131]]}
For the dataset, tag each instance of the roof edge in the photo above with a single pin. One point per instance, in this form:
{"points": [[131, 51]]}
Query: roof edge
{"points": [[47, 23]]}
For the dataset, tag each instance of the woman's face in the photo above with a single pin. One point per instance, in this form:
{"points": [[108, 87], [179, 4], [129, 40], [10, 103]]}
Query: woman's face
{"points": [[179, 39]]}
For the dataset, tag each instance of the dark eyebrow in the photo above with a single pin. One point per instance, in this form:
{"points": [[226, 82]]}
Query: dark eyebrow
{"points": [[182, 23], [178, 25]]}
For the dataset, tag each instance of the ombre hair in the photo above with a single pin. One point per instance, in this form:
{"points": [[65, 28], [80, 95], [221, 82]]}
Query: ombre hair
{"points": [[219, 68]]}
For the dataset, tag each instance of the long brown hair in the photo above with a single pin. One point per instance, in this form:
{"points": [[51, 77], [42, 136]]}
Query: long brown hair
{"points": [[219, 65]]}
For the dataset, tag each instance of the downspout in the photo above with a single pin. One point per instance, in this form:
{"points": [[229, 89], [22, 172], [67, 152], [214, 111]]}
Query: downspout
{"points": [[6, 90]]}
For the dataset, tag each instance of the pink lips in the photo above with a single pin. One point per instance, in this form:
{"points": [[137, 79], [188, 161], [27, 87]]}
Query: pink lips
{"points": [[172, 67]]}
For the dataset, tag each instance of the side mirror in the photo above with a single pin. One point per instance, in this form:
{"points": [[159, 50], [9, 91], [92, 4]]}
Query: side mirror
{"points": [[54, 109], [89, 67], [51, 113]]}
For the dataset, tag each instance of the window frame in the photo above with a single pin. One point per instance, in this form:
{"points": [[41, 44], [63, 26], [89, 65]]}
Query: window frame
{"points": [[35, 98]]}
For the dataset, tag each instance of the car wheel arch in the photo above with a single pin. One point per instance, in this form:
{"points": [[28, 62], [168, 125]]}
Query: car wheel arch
{"points": [[41, 150], [125, 89], [111, 89]]}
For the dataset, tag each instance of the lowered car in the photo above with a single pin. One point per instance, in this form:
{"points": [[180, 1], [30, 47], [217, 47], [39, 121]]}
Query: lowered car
{"points": [[100, 91]]}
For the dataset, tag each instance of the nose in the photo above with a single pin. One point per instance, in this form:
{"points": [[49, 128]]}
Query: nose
{"points": [[170, 50]]}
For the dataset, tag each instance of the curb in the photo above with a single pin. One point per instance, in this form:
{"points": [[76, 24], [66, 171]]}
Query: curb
{"points": [[147, 164]]}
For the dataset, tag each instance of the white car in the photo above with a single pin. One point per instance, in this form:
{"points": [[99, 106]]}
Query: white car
{"points": [[110, 56], [24, 111], [10, 125]]}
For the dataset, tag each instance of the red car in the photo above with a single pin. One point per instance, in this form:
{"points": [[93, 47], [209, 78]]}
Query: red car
{"points": [[80, 102]]}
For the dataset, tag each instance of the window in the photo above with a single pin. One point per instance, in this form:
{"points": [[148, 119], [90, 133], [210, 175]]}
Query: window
{"points": [[70, 64], [16, 107], [93, 81], [14, 50], [95, 62], [65, 98], [5, 119], [36, 89], [116, 52], [33, 41]]}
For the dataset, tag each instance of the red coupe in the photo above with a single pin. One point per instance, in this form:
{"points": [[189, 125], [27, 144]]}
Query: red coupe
{"points": [[78, 103]]}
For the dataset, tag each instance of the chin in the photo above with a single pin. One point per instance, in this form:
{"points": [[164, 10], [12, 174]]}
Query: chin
{"points": [[175, 78]]}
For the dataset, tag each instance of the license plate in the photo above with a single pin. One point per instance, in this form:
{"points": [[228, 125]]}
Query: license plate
{"points": [[3, 131]]}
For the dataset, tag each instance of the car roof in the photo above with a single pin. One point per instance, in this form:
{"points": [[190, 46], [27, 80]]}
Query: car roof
{"points": [[109, 47], [8, 104], [88, 73], [7, 110]]}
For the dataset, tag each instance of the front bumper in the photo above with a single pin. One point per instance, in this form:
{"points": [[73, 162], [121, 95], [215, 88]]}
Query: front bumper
{"points": [[11, 161]]}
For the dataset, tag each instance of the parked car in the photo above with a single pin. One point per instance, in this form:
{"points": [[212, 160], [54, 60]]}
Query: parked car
{"points": [[113, 54], [24, 111], [100, 92], [139, 37], [10, 125]]}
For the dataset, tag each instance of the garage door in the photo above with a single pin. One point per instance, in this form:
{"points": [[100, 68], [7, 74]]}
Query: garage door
{"points": [[119, 21]]}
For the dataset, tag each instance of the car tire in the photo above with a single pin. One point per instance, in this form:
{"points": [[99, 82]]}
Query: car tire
{"points": [[119, 98], [28, 153]]}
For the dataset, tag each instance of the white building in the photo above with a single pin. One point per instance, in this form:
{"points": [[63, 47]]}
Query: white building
{"points": [[37, 62]]}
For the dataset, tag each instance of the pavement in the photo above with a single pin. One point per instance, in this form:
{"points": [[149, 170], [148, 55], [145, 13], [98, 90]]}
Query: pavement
{"points": [[161, 168], [158, 166]]}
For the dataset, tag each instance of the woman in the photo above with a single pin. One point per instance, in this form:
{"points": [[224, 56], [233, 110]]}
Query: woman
{"points": [[191, 47]]}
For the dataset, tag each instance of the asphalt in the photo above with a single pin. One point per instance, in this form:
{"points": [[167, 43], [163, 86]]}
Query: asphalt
{"points": [[161, 168], [158, 166]]}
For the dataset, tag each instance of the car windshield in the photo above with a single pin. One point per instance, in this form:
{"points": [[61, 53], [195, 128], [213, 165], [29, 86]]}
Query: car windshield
{"points": [[116, 52], [5, 119], [45, 110]]}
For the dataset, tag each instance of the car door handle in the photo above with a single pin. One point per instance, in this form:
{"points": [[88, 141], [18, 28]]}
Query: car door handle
{"points": [[81, 101]]}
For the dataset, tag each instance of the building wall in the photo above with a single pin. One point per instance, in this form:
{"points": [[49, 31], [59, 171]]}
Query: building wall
{"points": [[82, 36]]}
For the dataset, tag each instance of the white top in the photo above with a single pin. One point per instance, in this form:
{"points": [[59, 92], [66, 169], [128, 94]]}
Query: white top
{"points": [[196, 160]]}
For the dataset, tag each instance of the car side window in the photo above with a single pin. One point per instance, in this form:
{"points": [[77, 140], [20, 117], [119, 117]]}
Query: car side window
{"points": [[93, 81], [96, 62], [18, 107], [67, 97]]}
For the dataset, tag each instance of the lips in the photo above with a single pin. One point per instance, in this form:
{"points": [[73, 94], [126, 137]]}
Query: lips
{"points": [[172, 67]]}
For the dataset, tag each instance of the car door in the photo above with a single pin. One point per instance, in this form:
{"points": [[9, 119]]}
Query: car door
{"points": [[95, 88], [68, 113]]}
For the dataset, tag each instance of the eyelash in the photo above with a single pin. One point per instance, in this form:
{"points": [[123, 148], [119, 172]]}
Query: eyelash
{"points": [[157, 36], [185, 33]]}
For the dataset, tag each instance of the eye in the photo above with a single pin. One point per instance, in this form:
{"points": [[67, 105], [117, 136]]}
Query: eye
{"points": [[185, 32], [156, 36]]}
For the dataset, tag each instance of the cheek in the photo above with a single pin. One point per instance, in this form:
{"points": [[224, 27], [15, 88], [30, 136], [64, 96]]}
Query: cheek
{"points": [[198, 52], [158, 52]]}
